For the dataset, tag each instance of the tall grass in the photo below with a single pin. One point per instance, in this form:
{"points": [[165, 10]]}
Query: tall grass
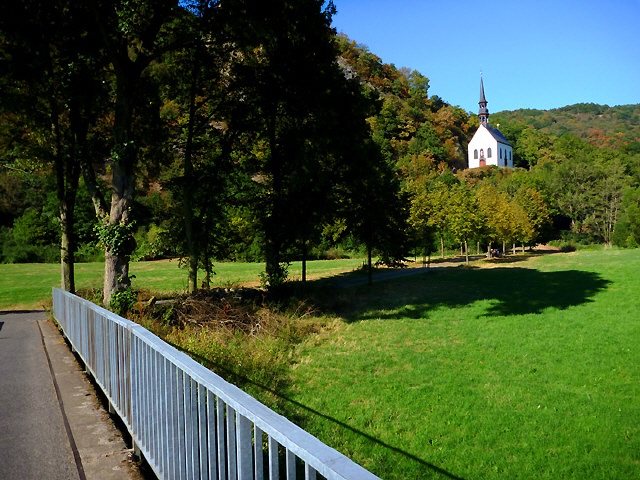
{"points": [[525, 370]]}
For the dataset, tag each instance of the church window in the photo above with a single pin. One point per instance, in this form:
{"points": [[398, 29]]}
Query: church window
{"points": [[481, 153], [475, 154], [489, 152], [500, 154], [509, 155]]}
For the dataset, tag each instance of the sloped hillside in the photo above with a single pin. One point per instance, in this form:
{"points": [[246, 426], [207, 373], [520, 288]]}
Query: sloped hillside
{"points": [[603, 126]]}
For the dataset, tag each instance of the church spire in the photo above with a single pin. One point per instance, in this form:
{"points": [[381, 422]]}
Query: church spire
{"points": [[483, 112]]}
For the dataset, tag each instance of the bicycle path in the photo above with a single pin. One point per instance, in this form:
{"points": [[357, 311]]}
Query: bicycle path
{"points": [[52, 424]]}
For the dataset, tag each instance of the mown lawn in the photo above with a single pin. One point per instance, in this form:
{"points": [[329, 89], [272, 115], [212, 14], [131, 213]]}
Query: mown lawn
{"points": [[525, 370], [28, 286]]}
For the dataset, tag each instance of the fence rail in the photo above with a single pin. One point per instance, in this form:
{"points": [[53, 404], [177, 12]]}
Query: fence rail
{"points": [[187, 421]]}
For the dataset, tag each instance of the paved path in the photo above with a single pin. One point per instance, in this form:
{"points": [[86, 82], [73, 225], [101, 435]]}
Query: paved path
{"points": [[52, 425]]}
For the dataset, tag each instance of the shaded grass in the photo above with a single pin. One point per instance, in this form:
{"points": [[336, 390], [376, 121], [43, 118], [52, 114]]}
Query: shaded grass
{"points": [[523, 371]]}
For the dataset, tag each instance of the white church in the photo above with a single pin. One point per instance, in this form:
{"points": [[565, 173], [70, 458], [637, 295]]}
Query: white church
{"points": [[488, 146]]}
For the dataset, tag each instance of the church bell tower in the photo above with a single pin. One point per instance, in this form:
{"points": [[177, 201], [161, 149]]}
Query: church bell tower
{"points": [[483, 112], [488, 146]]}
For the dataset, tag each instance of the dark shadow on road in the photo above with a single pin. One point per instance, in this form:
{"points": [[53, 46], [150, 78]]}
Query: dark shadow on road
{"points": [[511, 290]]}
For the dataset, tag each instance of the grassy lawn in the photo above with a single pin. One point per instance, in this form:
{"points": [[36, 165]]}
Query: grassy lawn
{"points": [[525, 370], [28, 286], [528, 367]]}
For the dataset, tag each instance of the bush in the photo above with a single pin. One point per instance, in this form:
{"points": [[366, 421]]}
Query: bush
{"points": [[89, 252], [564, 245], [567, 247], [152, 243], [35, 228], [122, 302], [21, 253]]}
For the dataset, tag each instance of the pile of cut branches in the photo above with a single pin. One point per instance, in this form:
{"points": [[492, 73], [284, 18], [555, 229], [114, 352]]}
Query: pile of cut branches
{"points": [[234, 310]]}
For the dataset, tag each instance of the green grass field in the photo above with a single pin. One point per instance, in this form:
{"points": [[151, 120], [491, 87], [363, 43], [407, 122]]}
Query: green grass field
{"points": [[526, 370], [28, 286]]}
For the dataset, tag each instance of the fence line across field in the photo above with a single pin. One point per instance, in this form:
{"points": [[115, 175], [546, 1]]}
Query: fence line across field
{"points": [[188, 422]]}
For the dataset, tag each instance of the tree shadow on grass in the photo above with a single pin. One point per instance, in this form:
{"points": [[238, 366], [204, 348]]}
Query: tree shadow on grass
{"points": [[297, 412], [509, 290]]}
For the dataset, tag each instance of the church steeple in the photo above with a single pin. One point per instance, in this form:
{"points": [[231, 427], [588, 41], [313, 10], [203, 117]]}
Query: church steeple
{"points": [[483, 112]]}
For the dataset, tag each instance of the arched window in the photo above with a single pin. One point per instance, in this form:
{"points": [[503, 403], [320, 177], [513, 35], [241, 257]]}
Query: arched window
{"points": [[475, 154], [509, 155], [489, 152], [481, 153], [500, 154]]}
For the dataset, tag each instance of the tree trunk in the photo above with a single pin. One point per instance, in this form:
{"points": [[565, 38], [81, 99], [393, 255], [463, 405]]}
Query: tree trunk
{"points": [[129, 56], [273, 235], [370, 266], [123, 181], [466, 252], [67, 249], [304, 260], [67, 168], [187, 186], [117, 255], [208, 266], [67, 176], [442, 245]]}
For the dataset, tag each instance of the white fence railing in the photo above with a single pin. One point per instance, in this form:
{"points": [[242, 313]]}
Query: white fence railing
{"points": [[187, 421]]}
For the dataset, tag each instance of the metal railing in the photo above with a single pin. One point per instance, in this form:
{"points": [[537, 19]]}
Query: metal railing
{"points": [[187, 421]]}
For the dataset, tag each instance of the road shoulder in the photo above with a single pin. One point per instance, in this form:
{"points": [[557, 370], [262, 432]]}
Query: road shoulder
{"points": [[103, 451]]}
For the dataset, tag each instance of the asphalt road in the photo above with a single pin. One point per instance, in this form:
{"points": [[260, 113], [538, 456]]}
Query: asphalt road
{"points": [[52, 424], [33, 439]]}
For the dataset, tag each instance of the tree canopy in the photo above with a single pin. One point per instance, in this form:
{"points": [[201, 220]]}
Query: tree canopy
{"points": [[251, 131]]}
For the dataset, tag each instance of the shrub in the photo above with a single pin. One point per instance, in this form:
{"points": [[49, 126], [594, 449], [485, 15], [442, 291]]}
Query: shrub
{"points": [[23, 253], [567, 247], [89, 252], [152, 243], [122, 302]]}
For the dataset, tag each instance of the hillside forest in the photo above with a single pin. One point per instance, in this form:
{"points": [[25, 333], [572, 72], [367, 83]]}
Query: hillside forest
{"points": [[250, 130]]}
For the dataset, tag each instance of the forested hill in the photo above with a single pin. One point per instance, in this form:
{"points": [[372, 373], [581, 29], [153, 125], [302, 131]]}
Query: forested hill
{"points": [[603, 126], [419, 133]]}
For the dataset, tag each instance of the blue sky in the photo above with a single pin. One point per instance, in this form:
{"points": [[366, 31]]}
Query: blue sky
{"points": [[533, 53]]}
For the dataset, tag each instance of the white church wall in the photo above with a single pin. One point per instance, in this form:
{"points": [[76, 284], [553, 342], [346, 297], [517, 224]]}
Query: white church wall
{"points": [[482, 141]]}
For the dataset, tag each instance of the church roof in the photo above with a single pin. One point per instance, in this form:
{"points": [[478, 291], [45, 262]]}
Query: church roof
{"points": [[482, 97], [496, 134]]}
